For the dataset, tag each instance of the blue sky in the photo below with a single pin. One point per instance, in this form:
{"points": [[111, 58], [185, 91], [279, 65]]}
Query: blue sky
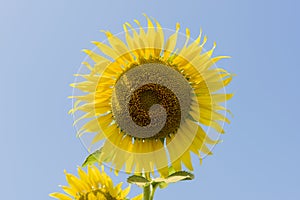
{"points": [[41, 44]]}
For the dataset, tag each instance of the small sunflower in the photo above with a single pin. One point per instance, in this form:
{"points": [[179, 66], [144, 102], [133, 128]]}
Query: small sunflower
{"points": [[149, 101], [93, 185]]}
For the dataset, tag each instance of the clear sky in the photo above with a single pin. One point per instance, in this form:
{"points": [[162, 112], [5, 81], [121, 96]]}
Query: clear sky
{"points": [[40, 48]]}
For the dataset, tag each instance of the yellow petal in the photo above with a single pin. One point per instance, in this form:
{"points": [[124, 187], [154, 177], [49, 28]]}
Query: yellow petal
{"points": [[171, 43], [94, 56], [60, 196]]}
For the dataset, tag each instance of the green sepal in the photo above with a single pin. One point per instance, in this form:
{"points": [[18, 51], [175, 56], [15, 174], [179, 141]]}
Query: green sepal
{"points": [[162, 140], [171, 170], [191, 118], [138, 180], [92, 158], [163, 185]]}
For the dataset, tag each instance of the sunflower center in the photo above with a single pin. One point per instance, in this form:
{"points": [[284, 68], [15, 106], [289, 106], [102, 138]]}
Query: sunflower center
{"points": [[151, 100], [148, 95]]}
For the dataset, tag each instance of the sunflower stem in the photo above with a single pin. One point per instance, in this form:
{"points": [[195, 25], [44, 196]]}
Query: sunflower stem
{"points": [[147, 192], [153, 191], [147, 188]]}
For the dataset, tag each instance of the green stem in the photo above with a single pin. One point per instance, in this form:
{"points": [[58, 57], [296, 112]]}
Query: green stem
{"points": [[153, 191], [147, 192]]}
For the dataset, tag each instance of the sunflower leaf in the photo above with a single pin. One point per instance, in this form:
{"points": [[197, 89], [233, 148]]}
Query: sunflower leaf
{"points": [[138, 180], [179, 176], [92, 158]]}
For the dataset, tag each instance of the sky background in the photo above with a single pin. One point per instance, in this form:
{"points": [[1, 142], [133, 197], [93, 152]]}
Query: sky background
{"points": [[40, 48]]}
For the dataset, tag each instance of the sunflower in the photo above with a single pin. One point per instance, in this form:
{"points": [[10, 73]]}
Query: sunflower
{"points": [[149, 102], [93, 185]]}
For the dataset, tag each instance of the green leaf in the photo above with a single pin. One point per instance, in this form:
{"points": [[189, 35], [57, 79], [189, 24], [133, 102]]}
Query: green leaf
{"points": [[179, 176], [138, 180], [173, 178], [92, 158]]}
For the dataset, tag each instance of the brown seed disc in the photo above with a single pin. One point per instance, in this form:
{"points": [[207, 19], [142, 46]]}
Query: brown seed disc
{"points": [[148, 95], [151, 101]]}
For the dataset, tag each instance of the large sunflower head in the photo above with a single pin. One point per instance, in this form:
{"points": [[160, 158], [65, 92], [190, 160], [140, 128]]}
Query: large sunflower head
{"points": [[150, 99], [92, 185]]}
